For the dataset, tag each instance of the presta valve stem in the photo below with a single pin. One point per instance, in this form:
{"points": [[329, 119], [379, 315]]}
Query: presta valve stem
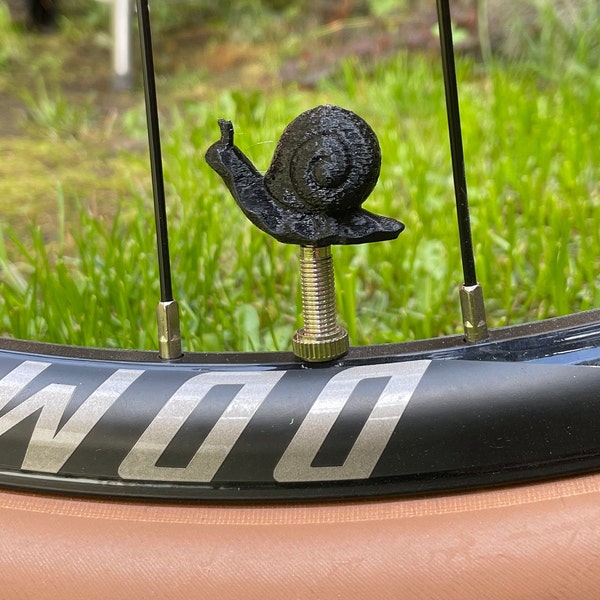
{"points": [[321, 338]]}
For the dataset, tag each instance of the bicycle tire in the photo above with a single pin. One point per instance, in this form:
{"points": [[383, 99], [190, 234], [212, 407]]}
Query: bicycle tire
{"points": [[528, 542]]}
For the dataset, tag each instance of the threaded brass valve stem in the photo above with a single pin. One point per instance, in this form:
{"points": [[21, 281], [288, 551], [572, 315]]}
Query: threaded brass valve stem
{"points": [[321, 338]]}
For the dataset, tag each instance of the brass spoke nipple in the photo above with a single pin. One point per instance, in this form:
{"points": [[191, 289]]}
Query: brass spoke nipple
{"points": [[473, 313], [169, 332]]}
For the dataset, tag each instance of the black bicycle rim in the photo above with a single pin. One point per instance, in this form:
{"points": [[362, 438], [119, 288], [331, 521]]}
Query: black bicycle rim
{"points": [[413, 418]]}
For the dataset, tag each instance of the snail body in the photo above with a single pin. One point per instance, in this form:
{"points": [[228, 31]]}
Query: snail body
{"points": [[324, 167]]}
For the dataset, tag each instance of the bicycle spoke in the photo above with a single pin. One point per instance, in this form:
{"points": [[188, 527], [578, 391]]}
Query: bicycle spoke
{"points": [[169, 336], [471, 294]]}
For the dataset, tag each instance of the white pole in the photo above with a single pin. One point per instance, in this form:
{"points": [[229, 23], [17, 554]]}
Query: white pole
{"points": [[122, 26]]}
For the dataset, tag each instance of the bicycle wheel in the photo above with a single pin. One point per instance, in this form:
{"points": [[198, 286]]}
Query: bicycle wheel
{"points": [[367, 441], [383, 472]]}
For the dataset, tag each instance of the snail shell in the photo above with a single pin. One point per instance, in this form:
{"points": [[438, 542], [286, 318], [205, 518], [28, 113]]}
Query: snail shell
{"points": [[327, 161]]}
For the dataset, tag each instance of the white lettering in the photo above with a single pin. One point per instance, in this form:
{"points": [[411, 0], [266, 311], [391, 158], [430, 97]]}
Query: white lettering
{"points": [[295, 464], [141, 461], [12, 383], [48, 450]]}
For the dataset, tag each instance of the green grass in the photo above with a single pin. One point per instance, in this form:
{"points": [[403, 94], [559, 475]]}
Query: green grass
{"points": [[52, 112], [533, 171]]}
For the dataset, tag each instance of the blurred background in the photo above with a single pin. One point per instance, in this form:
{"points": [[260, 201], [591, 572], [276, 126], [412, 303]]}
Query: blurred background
{"points": [[75, 190]]}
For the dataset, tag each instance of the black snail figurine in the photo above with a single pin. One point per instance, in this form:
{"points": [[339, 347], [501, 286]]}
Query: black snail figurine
{"points": [[325, 165]]}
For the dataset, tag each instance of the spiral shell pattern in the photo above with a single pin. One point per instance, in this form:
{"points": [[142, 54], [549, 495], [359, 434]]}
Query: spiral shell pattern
{"points": [[327, 161]]}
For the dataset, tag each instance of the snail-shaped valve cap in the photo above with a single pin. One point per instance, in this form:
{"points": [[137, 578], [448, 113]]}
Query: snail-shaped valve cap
{"points": [[325, 165]]}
